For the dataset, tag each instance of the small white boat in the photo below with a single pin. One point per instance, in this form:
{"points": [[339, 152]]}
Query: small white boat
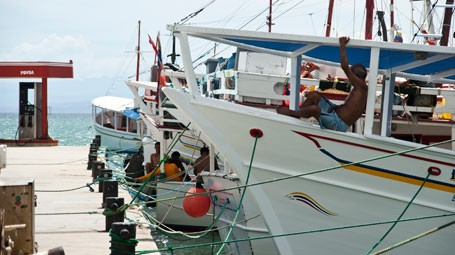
{"points": [[118, 131]]}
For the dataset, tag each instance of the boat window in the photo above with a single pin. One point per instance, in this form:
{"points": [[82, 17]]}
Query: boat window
{"points": [[108, 118], [132, 125], [98, 115]]}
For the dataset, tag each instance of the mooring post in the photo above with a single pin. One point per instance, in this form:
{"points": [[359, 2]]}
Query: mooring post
{"points": [[55, 251], [104, 174], [97, 140], [92, 155], [123, 238], [110, 189], [96, 168], [113, 203]]}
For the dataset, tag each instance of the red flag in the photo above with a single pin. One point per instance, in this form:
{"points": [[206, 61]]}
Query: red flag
{"points": [[153, 44]]}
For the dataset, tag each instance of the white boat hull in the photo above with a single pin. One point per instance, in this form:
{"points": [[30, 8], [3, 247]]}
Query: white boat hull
{"points": [[117, 140], [340, 196]]}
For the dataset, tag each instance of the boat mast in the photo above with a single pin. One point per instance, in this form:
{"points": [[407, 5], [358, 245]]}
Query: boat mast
{"points": [[446, 24], [329, 19], [138, 50], [369, 19], [392, 17], [269, 18]]}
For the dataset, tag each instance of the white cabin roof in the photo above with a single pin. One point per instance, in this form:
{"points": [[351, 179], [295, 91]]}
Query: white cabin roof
{"points": [[117, 104]]}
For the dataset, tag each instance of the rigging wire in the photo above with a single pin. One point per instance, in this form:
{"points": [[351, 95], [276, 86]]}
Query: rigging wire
{"points": [[122, 68], [216, 44], [194, 14], [266, 9]]}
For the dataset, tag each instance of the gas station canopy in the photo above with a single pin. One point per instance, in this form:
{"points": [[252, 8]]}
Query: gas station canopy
{"points": [[33, 126], [36, 69]]}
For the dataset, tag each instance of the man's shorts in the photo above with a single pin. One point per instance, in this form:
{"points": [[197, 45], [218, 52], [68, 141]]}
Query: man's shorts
{"points": [[330, 120]]}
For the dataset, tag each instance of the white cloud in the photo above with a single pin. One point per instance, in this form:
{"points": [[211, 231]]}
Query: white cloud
{"points": [[53, 47]]}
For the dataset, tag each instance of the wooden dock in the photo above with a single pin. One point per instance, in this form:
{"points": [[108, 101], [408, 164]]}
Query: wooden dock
{"points": [[70, 219]]}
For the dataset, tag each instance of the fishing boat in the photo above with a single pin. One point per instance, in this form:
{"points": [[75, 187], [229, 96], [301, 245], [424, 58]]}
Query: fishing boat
{"points": [[165, 124], [115, 120], [291, 187]]}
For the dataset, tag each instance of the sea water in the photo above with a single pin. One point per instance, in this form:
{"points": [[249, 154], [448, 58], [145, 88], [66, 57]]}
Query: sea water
{"points": [[75, 129], [70, 129]]}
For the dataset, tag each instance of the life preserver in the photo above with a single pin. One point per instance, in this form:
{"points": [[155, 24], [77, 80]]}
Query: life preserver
{"points": [[287, 92], [429, 40]]}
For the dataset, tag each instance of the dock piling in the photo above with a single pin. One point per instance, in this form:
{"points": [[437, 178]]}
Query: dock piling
{"points": [[104, 174], [110, 189], [113, 204], [123, 238]]}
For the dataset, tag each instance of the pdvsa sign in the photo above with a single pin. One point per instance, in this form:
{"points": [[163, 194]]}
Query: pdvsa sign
{"points": [[26, 72]]}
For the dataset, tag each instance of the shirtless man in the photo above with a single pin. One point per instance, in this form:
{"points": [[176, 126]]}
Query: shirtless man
{"points": [[203, 162], [329, 115], [154, 159]]}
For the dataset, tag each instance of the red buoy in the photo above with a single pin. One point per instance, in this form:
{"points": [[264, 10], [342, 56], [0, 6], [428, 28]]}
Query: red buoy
{"points": [[196, 206]]}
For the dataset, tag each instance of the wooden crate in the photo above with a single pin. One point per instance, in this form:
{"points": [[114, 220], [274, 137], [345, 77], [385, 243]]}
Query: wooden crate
{"points": [[17, 199]]}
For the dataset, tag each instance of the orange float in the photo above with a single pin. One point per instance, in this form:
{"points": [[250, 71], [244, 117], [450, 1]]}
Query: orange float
{"points": [[196, 206]]}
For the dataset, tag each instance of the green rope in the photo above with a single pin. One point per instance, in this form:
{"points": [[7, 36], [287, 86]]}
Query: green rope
{"points": [[116, 239], [88, 185], [414, 238], [241, 199], [299, 233], [68, 213], [309, 173], [121, 209], [320, 170], [401, 215], [170, 248], [209, 228]]}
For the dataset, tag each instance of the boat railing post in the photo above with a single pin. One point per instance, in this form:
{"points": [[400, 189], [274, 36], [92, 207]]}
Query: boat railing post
{"points": [[296, 65], [387, 105], [372, 84]]}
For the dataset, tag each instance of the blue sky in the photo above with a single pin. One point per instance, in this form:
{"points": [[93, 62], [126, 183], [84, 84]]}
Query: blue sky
{"points": [[100, 36]]}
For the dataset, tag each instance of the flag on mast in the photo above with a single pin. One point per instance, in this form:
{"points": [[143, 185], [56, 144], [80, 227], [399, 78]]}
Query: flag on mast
{"points": [[158, 52]]}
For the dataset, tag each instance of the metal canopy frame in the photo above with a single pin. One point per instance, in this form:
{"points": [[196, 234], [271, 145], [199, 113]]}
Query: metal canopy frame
{"points": [[418, 62]]}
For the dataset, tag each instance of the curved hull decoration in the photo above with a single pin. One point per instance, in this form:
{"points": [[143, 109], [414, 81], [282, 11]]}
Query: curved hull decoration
{"points": [[307, 199]]}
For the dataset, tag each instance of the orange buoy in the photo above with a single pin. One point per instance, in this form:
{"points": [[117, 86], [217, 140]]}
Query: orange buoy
{"points": [[196, 206]]}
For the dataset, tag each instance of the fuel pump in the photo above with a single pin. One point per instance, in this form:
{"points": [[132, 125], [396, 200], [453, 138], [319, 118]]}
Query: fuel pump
{"points": [[29, 98]]}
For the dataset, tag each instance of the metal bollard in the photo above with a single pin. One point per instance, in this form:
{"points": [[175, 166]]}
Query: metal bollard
{"points": [[123, 238], [98, 140], [93, 145], [104, 173], [55, 251], [92, 156], [110, 189], [96, 168], [113, 203]]}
